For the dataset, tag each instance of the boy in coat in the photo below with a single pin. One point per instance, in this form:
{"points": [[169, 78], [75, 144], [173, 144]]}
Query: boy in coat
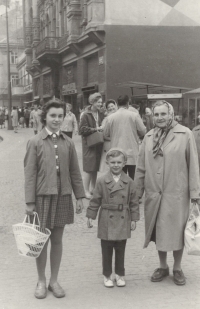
{"points": [[115, 196]]}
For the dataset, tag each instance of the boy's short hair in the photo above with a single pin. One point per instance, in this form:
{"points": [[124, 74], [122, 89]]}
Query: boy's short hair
{"points": [[115, 152]]}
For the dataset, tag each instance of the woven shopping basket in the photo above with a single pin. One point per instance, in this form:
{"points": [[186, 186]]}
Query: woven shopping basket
{"points": [[30, 238]]}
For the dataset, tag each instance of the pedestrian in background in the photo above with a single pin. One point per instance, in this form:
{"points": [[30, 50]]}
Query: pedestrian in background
{"points": [[111, 107], [51, 173], [27, 117], [14, 116], [6, 117], [21, 117], [91, 121], [115, 193], [168, 172], [69, 124], [36, 116], [1, 118], [123, 129], [148, 118]]}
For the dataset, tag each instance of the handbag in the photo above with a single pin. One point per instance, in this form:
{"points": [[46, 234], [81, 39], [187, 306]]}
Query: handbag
{"points": [[95, 139], [192, 232]]}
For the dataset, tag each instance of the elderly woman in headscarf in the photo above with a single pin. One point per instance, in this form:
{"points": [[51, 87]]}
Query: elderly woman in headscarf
{"points": [[91, 121], [168, 172]]}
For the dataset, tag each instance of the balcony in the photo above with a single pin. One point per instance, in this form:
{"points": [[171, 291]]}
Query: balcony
{"points": [[62, 43], [48, 45]]}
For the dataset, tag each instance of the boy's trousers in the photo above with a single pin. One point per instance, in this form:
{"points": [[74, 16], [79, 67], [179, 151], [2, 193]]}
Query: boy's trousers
{"points": [[107, 247]]}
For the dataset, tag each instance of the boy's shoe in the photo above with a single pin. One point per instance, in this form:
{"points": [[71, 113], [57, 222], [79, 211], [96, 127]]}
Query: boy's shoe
{"points": [[120, 281], [108, 282]]}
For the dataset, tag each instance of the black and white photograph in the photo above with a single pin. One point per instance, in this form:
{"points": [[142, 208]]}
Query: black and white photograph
{"points": [[100, 154]]}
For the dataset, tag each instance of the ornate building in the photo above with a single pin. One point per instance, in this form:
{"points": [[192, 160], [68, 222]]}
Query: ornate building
{"points": [[76, 47]]}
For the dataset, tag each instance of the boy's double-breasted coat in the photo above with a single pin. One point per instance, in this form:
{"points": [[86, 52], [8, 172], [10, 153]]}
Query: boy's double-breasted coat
{"points": [[114, 224], [169, 182]]}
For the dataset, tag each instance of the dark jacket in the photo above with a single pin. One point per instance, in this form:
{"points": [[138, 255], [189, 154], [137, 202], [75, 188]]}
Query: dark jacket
{"points": [[40, 167], [114, 224], [91, 155]]}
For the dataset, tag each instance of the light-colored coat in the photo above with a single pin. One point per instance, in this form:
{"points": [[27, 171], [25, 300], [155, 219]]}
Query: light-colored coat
{"points": [[122, 129], [114, 224], [169, 182]]}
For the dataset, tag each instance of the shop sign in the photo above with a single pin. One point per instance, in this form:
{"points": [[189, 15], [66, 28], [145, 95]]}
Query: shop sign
{"points": [[161, 96], [28, 88], [69, 89]]}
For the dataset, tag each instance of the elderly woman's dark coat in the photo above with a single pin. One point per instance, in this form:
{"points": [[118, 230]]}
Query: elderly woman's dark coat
{"points": [[91, 155]]}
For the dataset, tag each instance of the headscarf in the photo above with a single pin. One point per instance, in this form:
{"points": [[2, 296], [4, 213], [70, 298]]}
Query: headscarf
{"points": [[160, 134]]}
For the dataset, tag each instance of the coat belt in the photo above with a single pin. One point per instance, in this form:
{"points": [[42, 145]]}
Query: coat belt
{"points": [[119, 207]]}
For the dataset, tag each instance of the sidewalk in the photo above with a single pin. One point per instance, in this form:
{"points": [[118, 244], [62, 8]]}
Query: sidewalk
{"points": [[80, 273]]}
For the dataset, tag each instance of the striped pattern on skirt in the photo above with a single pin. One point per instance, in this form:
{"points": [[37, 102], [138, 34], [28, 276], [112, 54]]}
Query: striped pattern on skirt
{"points": [[55, 210]]}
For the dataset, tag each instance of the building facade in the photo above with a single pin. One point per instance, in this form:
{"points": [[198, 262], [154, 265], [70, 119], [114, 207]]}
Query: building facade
{"points": [[77, 47]]}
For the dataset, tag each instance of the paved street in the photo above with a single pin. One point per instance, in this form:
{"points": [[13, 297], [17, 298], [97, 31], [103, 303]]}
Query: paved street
{"points": [[80, 273]]}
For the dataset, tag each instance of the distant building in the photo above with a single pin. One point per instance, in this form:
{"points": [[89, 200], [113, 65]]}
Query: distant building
{"points": [[16, 40], [77, 47]]}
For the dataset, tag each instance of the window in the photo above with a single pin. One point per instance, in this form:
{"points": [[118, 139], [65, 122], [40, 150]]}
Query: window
{"points": [[13, 57], [14, 80]]}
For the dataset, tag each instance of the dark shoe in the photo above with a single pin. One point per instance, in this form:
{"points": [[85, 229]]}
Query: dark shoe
{"points": [[41, 290], [56, 290], [179, 277], [159, 274]]}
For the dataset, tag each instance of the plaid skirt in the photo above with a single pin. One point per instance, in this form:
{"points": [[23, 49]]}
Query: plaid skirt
{"points": [[55, 210]]}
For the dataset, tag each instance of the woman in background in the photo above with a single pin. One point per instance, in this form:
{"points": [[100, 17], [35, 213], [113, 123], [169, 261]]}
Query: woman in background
{"points": [[91, 122], [69, 124], [111, 107]]}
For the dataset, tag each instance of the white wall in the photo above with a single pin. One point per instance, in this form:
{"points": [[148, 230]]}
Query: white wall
{"points": [[152, 13]]}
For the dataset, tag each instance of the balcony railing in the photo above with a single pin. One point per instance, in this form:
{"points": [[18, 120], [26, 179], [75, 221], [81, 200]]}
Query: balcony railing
{"points": [[48, 44], [63, 41]]}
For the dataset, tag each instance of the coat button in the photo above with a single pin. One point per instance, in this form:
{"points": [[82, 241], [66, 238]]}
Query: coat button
{"points": [[122, 217], [111, 216], [160, 192], [111, 195]]}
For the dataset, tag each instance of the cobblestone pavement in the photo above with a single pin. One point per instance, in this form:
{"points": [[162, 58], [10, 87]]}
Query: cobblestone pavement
{"points": [[80, 273]]}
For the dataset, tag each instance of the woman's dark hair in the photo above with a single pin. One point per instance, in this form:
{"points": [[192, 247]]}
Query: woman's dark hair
{"points": [[14, 107], [110, 101], [123, 100], [46, 107]]}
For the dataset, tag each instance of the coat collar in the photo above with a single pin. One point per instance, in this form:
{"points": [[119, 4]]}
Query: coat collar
{"points": [[177, 129], [171, 135], [109, 177], [116, 186], [45, 134]]}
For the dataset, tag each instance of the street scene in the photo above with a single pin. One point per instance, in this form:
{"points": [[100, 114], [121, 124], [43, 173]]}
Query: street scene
{"points": [[81, 267], [99, 154]]}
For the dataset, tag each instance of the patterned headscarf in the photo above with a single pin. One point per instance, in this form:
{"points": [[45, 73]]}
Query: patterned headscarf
{"points": [[160, 134]]}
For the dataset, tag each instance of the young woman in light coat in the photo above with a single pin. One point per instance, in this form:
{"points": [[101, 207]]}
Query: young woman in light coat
{"points": [[168, 171]]}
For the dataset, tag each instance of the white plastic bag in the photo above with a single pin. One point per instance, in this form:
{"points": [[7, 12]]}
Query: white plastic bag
{"points": [[192, 232]]}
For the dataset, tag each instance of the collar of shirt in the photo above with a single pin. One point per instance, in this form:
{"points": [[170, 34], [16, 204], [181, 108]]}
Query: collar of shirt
{"points": [[116, 177], [50, 133]]}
